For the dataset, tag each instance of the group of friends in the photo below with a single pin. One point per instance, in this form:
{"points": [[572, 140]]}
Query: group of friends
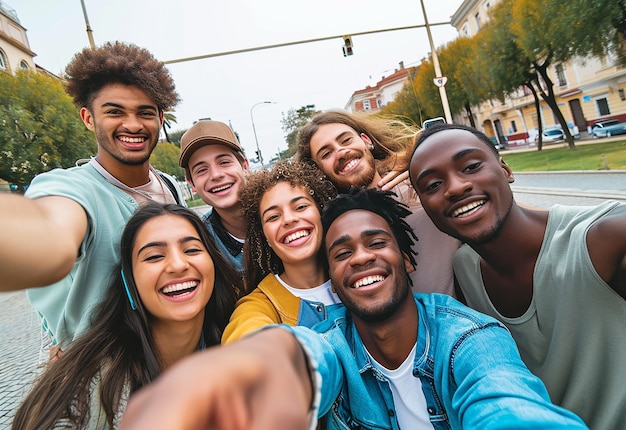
{"points": [[328, 291]]}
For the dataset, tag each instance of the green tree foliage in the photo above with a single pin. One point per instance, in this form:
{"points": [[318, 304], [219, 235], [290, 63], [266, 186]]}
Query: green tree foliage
{"points": [[292, 121], [165, 158], [168, 119], [40, 128]]}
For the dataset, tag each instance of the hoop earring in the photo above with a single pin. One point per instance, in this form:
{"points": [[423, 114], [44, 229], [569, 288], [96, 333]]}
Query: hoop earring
{"points": [[130, 298]]}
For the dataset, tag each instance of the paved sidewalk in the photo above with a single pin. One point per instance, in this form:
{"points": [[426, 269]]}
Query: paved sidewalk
{"points": [[20, 336]]}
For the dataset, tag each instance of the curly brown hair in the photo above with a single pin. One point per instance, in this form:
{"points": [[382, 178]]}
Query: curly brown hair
{"points": [[392, 137], [117, 62], [259, 258]]}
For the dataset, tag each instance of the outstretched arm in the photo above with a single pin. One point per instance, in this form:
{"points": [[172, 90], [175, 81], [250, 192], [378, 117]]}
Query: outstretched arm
{"points": [[259, 382], [40, 240]]}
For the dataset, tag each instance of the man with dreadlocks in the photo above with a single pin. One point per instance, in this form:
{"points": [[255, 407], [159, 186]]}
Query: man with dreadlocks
{"points": [[63, 235]]}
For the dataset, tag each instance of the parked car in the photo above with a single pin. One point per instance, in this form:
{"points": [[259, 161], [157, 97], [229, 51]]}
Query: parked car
{"points": [[610, 127], [550, 135]]}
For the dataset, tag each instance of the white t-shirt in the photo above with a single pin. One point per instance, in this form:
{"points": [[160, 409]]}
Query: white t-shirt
{"points": [[408, 397], [322, 293]]}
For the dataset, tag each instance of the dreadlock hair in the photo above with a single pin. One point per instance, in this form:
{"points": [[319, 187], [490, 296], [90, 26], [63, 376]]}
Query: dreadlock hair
{"points": [[259, 258], [383, 204], [118, 349], [392, 138], [116, 62]]}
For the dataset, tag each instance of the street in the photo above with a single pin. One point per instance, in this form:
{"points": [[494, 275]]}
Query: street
{"points": [[19, 325]]}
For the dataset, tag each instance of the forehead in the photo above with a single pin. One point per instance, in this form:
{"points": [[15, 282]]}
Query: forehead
{"points": [[354, 222], [209, 153], [446, 146], [330, 132], [163, 228], [127, 95], [283, 192]]}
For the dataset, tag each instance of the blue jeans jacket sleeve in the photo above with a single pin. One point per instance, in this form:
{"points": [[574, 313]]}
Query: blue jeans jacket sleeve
{"points": [[325, 366]]}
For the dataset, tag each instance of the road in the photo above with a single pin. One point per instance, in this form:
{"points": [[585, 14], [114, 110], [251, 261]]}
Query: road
{"points": [[19, 326]]}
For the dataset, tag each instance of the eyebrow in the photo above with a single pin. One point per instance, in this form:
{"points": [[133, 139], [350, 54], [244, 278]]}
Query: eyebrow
{"points": [[162, 243], [364, 235], [294, 200], [117, 105], [338, 137], [455, 157]]}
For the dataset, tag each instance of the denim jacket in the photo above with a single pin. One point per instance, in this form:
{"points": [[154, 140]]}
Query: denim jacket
{"points": [[471, 372]]}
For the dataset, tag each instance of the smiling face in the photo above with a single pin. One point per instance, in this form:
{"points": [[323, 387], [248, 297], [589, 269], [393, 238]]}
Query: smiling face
{"points": [[126, 122], [173, 270], [343, 155], [291, 223], [367, 269], [463, 186], [217, 175]]}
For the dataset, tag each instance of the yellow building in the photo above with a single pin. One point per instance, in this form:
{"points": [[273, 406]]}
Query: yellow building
{"points": [[586, 92]]}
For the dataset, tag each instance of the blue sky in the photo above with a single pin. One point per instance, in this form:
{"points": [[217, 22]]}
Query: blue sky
{"points": [[225, 88]]}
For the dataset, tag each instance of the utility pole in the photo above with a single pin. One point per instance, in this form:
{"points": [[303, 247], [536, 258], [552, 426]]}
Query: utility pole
{"points": [[89, 35], [440, 80]]}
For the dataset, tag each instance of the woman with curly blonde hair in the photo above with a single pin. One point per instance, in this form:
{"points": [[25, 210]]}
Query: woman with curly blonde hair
{"points": [[285, 266]]}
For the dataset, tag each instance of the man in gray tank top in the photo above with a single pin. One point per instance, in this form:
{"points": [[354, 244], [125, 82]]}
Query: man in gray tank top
{"points": [[556, 278]]}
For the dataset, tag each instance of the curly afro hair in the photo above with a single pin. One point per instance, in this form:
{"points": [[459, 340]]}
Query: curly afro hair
{"points": [[117, 62], [260, 259]]}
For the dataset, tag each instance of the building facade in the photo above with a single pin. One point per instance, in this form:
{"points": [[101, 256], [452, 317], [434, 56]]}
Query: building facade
{"points": [[586, 91], [372, 98], [15, 52]]}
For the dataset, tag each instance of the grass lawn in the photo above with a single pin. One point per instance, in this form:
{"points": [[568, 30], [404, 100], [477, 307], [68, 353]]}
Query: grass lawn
{"points": [[595, 155]]}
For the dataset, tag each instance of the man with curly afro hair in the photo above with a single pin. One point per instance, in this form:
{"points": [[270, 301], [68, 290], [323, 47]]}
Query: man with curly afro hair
{"points": [[64, 234]]}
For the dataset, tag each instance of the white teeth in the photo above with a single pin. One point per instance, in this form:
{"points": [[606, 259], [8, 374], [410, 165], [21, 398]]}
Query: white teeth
{"points": [[350, 164], [179, 287], [465, 210], [222, 188], [369, 280], [296, 235], [131, 139]]}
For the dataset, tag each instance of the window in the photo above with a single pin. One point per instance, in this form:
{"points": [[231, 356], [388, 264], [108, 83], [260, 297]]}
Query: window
{"points": [[24, 65], [514, 126], [560, 75], [622, 96], [477, 18], [3, 61], [366, 105], [602, 105]]}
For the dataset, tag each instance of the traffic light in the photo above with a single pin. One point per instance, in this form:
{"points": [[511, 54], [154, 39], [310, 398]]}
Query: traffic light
{"points": [[347, 46]]}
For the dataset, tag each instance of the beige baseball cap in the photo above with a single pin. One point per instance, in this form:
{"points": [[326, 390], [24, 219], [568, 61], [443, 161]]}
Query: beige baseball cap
{"points": [[206, 132]]}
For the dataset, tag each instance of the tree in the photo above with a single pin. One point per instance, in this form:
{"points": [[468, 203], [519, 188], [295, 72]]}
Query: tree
{"points": [[168, 119], [40, 128], [406, 103], [165, 158], [292, 122]]}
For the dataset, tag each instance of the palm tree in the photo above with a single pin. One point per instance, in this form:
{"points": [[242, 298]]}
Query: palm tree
{"points": [[168, 119]]}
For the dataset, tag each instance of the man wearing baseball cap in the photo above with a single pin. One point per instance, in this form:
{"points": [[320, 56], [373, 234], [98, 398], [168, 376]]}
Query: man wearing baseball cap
{"points": [[216, 168]]}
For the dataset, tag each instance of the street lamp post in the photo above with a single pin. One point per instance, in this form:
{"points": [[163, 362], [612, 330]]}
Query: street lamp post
{"points": [[256, 139]]}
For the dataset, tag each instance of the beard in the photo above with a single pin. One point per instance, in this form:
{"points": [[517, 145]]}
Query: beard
{"points": [[380, 312], [360, 179]]}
